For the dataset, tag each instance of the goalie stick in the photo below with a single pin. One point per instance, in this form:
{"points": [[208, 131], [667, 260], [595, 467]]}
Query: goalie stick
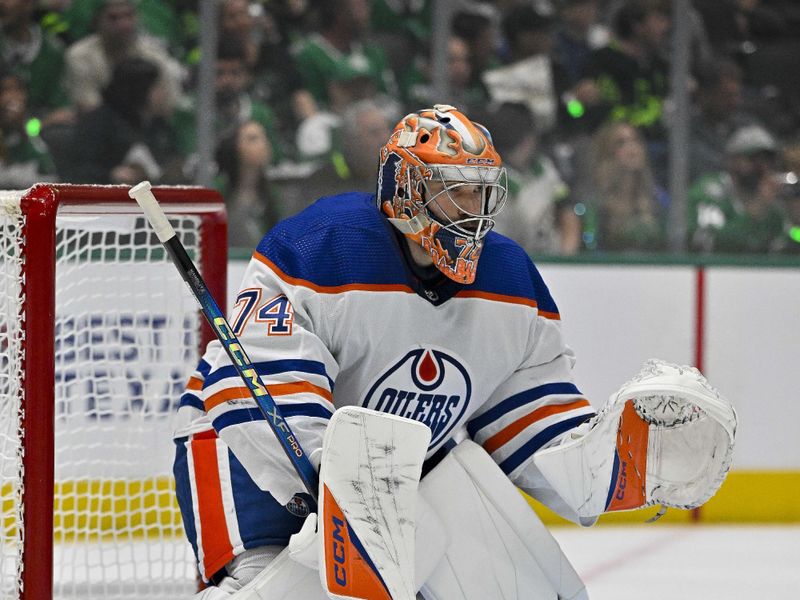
{"points": [[392, 577], [143, 195]]}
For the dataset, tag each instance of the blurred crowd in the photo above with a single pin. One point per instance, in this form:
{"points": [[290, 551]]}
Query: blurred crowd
{"points": [[575, 92]]}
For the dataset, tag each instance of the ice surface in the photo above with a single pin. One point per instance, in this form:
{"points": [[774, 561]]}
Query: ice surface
{"points": [[647, 562], [671, 562]]}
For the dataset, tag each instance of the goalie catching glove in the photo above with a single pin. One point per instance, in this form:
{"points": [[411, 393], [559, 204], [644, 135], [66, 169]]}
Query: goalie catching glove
{"points": [[666, 437]]}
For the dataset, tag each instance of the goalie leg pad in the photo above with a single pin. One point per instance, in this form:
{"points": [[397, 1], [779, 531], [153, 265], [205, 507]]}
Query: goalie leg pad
{"points": [[212, 593], [369, 474], [293, 573], [283, 579], [430, 542], [499, 548]]}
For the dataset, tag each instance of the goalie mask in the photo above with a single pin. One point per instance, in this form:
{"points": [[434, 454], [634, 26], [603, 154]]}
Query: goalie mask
{"points": [[441, 183]]}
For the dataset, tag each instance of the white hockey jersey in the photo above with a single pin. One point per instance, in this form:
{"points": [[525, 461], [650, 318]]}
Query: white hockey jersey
{"points": [[331, 315]]}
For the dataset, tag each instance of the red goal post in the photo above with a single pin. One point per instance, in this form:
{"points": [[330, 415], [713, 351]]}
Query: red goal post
{"points": [[97, 334]]}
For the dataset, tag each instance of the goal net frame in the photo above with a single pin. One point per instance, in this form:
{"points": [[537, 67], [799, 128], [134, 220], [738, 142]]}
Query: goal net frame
{"points": [[40, 206]]}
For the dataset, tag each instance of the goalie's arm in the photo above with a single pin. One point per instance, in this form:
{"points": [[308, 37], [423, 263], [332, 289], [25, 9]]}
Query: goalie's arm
{"points": [[289, 442], [535, 406], [276, 322]]}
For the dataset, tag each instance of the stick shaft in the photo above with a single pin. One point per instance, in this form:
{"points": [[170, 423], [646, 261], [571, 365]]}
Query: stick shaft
{"points": [[222, 329]]}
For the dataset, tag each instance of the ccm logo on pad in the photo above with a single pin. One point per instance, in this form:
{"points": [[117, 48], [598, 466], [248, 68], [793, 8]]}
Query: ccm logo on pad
{"points": [[338, 551], [348, 572]]}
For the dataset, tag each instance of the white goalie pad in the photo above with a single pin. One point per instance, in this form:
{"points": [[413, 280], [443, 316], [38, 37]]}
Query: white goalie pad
{"points": [[295, 572], [369, 475], [666, 437], [498, 549], [283, 579]]}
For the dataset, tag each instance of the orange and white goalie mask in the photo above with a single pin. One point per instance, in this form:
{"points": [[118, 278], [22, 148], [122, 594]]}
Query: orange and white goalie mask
{"points": [[441, 183]]}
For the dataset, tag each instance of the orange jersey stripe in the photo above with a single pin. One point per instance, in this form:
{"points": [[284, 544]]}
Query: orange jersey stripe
{"points": [[497, 297], [217, 549], [553, 316], [333, 289], [236, 393], [297, 387], [389, 287], [277, 389], [194, 384], [509, 431]]}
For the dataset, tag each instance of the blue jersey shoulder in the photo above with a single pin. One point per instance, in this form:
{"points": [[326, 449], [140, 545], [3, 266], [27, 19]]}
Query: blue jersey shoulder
{"points": [[345, 239], [505, 268], [338, 240]]}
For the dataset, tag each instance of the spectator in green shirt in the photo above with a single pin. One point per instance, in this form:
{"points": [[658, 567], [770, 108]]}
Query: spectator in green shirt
{"points": [[91, 60], [234, 103], [24, 157], [738, 210], [347, 86], [172, 21], [342, 43], [36, 57]]}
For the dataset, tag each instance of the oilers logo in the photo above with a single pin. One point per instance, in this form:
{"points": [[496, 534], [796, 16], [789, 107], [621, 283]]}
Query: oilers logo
{"points": [[428, 385], [298, 506]]}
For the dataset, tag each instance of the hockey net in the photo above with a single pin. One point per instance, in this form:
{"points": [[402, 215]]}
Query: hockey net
{"points": [[98, 335]]}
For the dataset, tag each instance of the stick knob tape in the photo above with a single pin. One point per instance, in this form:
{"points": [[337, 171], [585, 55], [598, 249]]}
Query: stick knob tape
{"points": [[142, 193]]}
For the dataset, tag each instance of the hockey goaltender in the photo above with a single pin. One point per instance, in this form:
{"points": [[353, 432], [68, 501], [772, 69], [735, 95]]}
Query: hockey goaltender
{"points": [[417, 357]]}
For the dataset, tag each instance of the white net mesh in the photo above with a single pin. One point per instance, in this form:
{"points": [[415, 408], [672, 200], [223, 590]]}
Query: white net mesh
{"points": [[10, 394], [126, 338]]}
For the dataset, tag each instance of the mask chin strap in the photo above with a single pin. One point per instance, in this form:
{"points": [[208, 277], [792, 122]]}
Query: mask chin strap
{"points": [[417, 223], [411, 226]]}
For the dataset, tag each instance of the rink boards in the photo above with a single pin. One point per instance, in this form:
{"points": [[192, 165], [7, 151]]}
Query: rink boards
{"points": [[614, 316]]}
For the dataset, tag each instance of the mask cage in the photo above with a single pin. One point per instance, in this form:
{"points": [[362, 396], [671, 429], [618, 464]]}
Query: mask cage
{"points": [[471, 217]]}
